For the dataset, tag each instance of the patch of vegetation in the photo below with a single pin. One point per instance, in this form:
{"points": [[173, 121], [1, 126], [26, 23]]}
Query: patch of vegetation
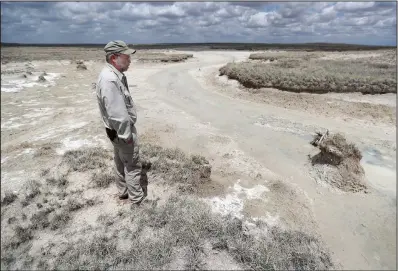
{"points": [[61, 182], [73, 204], [9, 197], [12, 220], [102, 179], [40, 220], [44, 172], [21, 235], [106, 220], [315, 76], [175, 166], [30, 191], [161, 57], [86, 159], [191, 222], [45, 150], [145, 237]]}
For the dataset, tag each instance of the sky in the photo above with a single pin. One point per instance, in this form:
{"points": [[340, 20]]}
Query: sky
{"points": [[371, 23]]}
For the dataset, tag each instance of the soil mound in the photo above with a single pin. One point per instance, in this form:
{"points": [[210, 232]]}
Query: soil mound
{"points": [[339, 162]]}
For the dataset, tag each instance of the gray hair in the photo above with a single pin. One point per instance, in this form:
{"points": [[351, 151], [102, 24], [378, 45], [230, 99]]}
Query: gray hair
{"points": [[108, 56]]}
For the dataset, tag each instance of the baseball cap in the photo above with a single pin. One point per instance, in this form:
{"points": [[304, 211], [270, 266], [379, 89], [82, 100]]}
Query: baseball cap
{"points": [[118, 47]]}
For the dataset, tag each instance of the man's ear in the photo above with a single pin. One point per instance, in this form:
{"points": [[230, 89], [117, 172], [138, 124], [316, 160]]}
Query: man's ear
{"points": [[113, 57]]}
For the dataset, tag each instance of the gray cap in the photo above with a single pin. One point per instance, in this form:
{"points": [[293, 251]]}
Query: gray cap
{"points": [[118, 47]]}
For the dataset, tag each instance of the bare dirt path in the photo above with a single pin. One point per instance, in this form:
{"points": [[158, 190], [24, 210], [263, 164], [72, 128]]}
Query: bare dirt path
{"points": [[354, 225]]}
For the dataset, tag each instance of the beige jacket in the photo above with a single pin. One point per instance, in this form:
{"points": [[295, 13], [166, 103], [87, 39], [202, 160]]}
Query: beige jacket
{"points": [[116, 106]]}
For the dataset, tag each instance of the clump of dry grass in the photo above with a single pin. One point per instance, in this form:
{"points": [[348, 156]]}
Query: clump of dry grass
{"points": [[87, 159], [30, 191], [73, 204], [60, 219], [81, 67], [40, 220], [45, 150], [346, 172], [280, 250], [316, 76], [21, 235], [41, 78], [60, 182], [175, 166], [102, 179], [9, 197]]}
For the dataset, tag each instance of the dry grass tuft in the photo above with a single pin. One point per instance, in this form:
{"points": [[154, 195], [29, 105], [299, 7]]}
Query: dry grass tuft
{"points": [[73, 204], [40, 220], [175, 166], [60, 219], [81, 67], [61, 182], [102, 179], [45, 150], [280, 250], [30, 191], [21, 236], [9, 197], [86, 159]]}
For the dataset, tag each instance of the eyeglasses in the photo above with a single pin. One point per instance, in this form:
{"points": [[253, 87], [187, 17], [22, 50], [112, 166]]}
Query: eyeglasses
{"points": [[123, 55]]}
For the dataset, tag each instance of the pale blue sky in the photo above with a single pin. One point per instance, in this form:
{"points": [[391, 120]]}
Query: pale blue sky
{"points": [[153, 22]]}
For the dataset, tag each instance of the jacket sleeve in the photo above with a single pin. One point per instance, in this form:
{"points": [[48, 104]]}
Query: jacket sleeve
{"points": [[118, 117]]}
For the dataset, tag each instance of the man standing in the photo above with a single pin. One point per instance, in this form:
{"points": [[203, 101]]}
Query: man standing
{"points": [[119, 116]]}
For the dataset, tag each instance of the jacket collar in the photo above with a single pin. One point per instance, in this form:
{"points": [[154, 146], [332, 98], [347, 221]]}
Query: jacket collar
{"points": [[118, 73]]}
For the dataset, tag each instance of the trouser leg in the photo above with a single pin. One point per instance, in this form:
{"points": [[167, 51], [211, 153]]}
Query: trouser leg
{"points": [[119, 170], [132, 172]]}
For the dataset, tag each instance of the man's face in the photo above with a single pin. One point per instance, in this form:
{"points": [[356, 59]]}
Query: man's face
{"points": [[122, 62]]}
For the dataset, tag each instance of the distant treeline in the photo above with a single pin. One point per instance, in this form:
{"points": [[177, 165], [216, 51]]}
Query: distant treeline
{"points": [[225, 46]]}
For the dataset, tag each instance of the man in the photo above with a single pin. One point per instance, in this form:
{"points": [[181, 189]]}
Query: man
{"points": [[119, 116]]}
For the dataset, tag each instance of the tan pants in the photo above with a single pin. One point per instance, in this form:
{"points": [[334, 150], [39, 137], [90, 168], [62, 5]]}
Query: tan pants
{"points": [[128, 169]]}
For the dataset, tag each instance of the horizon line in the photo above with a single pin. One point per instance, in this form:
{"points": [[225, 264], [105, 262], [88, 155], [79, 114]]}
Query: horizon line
{"points": [[206, 43]]}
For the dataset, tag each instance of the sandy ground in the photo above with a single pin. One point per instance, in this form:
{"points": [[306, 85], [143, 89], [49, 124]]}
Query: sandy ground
{"points": [[250, 142]]}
